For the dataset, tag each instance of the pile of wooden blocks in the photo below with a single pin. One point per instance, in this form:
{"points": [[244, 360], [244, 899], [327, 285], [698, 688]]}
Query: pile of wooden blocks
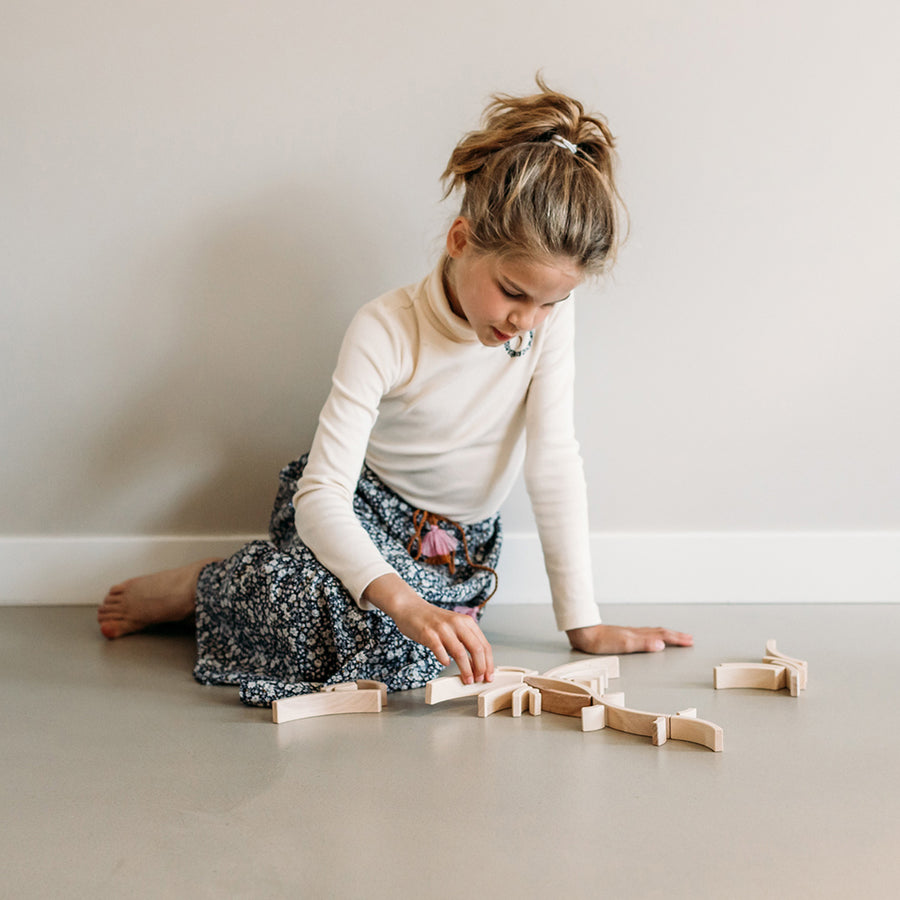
{"points": [[576, 689], [775, 672]]}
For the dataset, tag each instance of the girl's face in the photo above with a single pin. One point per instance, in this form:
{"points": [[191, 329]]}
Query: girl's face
{"points": [[501, 297]]}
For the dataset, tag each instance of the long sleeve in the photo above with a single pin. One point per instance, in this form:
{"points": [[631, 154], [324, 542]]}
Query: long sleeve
{"points": [[554, 477], [368, 366]]}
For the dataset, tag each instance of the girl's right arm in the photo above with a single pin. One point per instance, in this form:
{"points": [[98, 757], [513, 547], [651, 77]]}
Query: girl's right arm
{"points": [[447, 634], [370, 363]]}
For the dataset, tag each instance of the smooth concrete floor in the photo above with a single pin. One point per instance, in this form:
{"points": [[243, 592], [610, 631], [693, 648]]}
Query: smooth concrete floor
{"points": [[122, 777]]}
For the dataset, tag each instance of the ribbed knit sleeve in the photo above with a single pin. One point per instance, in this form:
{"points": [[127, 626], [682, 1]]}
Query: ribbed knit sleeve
{"points": [[554, 477], [369, 364]]}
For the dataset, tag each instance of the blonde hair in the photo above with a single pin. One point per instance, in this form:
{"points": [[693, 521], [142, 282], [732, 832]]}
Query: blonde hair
{"points": [[526, 193]]}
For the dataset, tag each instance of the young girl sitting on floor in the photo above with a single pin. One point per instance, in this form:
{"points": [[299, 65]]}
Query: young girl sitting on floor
{"points": [[384, 538]]}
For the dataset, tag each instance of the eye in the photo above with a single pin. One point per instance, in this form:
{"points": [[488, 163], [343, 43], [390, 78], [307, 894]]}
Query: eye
{"points": [[509, 292]]}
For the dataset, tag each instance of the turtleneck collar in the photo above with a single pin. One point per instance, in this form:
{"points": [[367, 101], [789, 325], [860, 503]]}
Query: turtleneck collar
{"points": [[440, 313]]}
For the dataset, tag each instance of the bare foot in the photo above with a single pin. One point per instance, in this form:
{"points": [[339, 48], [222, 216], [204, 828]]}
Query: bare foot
{"points": [[616, 639], [136, 604]]}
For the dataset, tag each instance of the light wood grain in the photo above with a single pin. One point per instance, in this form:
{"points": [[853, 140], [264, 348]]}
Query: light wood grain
{"points": [[326, 703]]}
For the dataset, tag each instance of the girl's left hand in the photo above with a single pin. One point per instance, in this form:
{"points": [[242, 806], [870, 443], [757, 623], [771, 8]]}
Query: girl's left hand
{"points": [[618, 639]]}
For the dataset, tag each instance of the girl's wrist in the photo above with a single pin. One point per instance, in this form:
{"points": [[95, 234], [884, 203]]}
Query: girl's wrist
{"points": [[392, 595]]}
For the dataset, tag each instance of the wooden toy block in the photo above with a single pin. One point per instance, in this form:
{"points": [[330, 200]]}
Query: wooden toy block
{"points": [[800, 674], [631, 721], [660, 731], [547, 683], [696, 731], [593, 718], [526, 697], [519, 669], [690, 712], [365, 684], [614, 698], [596, 684], [772, 650], [326, 703], [450, 687], [564, 703], [586, 668], [793, 680], [565, 698], [749, 675], [496, 699], [358, 685]]}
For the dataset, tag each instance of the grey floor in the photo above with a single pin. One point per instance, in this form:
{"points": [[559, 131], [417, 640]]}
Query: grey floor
{"points": [[122, 777]]}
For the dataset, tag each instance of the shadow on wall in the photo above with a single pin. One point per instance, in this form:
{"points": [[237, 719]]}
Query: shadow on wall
{"points": [[257, 308]]}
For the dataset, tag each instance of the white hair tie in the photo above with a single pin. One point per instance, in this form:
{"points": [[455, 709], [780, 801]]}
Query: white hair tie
{"points": [[560, 141]]}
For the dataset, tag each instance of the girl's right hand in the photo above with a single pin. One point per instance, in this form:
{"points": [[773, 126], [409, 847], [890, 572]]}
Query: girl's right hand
{"points": [[449, 635]]}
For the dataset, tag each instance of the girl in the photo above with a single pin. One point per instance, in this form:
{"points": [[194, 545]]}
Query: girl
{"points": [[384, 538]]}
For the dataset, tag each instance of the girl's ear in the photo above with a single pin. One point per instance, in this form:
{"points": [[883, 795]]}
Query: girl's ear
{"points": [[458, 237]]}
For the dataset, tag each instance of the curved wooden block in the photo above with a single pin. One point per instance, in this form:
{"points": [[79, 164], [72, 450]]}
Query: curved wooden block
{"points": [[450, 687], [762, 676], [326, 703], [494, 700], [586, 668], [631, 721], [523, 671], [565, 698], [801, 673], [681, 727], [361, 684], [772, 650], [697, 731]]}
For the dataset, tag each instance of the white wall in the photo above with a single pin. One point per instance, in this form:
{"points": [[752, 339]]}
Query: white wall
{"points": [[197, 196]]}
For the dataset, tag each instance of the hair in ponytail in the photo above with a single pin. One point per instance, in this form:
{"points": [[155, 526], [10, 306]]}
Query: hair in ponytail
{"points": [[538, 179]]}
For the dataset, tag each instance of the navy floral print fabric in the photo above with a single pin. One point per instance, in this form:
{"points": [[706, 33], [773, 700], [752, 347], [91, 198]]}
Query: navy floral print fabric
{"points": [[274, 621]]}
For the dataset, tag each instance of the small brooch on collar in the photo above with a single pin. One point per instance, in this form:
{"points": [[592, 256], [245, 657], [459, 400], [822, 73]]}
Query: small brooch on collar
{"points": [[523, 345]]}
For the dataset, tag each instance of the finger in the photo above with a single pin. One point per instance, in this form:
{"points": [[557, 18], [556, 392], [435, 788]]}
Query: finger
{"points": [[434, 643], [460, 655], [674, 638], [479, 648]]}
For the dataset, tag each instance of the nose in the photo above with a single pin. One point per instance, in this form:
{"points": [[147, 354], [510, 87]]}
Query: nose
{"points": [[522, 318]]}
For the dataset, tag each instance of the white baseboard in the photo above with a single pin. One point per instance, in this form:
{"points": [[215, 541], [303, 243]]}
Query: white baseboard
{"points": [[790, 567]]}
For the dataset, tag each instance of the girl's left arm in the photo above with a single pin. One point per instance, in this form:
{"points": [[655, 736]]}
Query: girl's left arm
{"points": [[554, 476]]}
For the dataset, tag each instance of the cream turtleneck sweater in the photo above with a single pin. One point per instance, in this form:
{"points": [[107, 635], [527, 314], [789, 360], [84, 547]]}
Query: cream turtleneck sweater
{"points": [[447, 423]]}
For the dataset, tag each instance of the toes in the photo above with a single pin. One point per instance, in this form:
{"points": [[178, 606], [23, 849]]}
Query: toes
{"points": [[110, 630]]}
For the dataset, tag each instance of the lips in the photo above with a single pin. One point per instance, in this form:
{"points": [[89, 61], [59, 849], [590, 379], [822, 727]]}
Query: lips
{"points": [[503, 338]]}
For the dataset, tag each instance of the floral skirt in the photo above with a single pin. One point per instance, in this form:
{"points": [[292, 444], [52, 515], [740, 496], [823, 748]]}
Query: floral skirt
{"points": [[274, 621]]}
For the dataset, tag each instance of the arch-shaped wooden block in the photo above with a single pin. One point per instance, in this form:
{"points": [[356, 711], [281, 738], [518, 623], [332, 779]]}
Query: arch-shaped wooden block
{"points": [[451, 687], [586, 668], [763, 676], [326, 703], [697, 731], [498, 698]]}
